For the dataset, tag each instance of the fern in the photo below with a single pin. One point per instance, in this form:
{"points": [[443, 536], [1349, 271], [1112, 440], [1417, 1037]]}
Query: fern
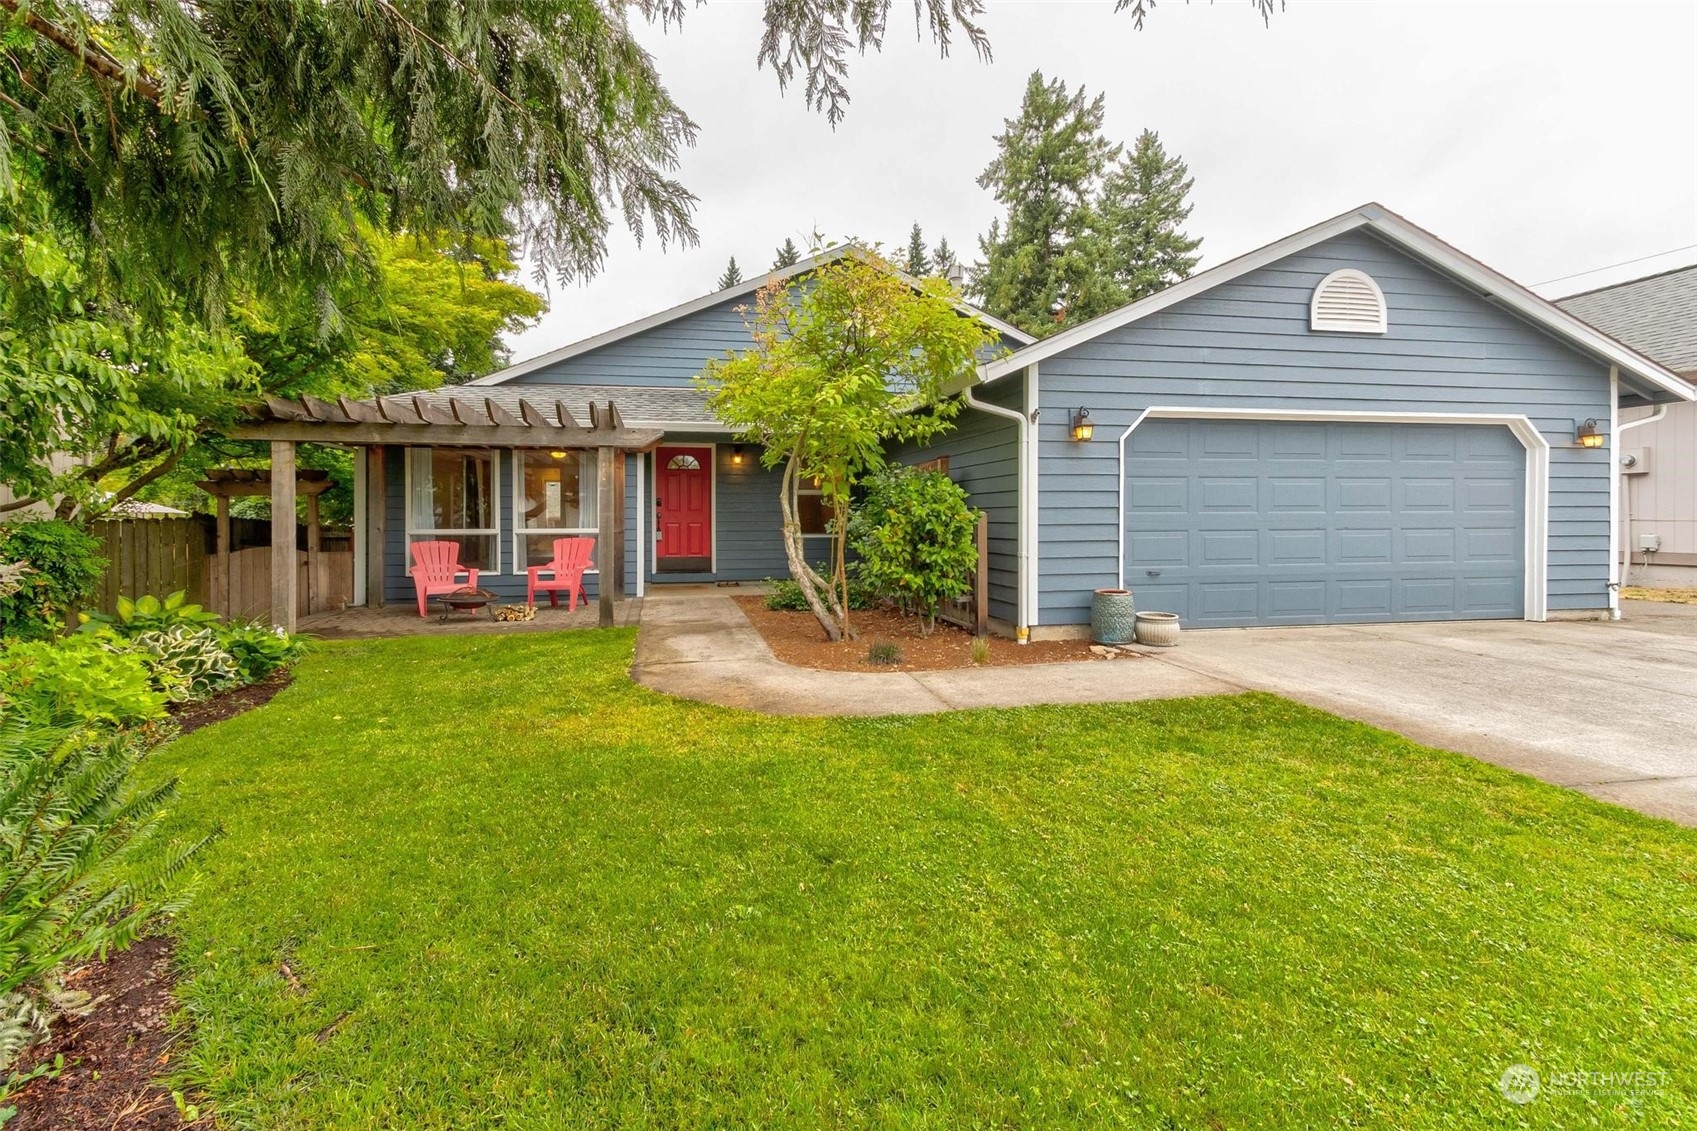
{"points": [[82, 868]]}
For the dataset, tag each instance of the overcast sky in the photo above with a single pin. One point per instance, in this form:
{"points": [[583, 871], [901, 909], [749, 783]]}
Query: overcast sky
{"points": [[1543, 138]]}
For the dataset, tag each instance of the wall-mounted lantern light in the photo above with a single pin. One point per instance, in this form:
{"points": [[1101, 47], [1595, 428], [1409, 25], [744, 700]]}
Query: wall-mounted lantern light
{"points": [[1587, 434], [736, 456], [1082, 429]]}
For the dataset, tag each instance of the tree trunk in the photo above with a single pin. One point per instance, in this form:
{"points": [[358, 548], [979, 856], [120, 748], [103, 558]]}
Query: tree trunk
{"points": [[795, 552]]}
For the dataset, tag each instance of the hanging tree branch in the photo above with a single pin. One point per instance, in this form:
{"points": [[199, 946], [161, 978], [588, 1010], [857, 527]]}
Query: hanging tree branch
{"points": [[91, 54]]}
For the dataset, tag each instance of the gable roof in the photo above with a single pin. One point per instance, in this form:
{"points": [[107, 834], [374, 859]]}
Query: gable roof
{"points": [[1656, 315], [706, 302], [1416, 241]]}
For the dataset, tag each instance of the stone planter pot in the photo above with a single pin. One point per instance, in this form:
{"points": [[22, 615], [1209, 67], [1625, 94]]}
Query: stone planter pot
{"points": [[1113, 616], [1157, 630]]}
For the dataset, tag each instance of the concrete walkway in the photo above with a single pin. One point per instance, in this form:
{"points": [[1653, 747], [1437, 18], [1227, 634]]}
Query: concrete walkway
{"points": [[1609, 709], [700, 646]]}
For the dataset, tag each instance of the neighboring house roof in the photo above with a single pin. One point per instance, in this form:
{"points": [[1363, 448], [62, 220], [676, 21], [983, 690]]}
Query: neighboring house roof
{"points": [[130, 508], [641, 406], [1650, 376], [1655, 315], [705, 302]]}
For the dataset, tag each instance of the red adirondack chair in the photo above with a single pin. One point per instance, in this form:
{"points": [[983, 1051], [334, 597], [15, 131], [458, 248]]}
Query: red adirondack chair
{"points": [[435, 567], [571, 557]]}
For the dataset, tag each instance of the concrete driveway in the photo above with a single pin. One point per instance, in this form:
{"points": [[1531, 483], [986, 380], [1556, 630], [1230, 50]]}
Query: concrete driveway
{"points": [[1606, 708]]}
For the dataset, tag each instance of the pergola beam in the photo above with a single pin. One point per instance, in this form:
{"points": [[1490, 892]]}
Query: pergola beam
{"points": [[449, 435]]}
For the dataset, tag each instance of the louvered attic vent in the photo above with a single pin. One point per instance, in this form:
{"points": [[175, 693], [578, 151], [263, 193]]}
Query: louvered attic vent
{"points": [[1349, 302]]}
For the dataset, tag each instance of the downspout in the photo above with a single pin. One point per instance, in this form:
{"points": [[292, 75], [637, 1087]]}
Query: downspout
{"points": [[1620, 525], [1027, 527]]}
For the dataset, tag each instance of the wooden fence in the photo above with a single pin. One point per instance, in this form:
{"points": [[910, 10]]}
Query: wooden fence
{"points": [[971, 610], [162, 555]]}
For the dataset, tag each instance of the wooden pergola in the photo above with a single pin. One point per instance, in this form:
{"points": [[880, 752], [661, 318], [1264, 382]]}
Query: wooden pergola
{"points": [[437, 422], [225, 483]]}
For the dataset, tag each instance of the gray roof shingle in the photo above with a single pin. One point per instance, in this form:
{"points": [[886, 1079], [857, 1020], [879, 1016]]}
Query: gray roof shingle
{"points": [[637, 404], [1657, 315]]}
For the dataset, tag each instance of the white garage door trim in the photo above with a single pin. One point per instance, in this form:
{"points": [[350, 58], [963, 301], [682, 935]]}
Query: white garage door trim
{"points": [[1537, 469]]}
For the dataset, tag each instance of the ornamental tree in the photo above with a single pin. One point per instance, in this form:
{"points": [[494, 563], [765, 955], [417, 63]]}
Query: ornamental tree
{"points": [[846, 361]]}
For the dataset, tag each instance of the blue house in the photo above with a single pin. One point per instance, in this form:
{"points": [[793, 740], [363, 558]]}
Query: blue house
{"points": [[1357, 423]]}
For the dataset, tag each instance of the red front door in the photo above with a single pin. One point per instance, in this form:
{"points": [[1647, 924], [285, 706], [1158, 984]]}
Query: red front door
{"points": [[683, 503]]}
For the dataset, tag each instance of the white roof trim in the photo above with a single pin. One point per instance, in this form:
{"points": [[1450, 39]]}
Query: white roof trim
{"points": [[705, 302], [1412, 239]]}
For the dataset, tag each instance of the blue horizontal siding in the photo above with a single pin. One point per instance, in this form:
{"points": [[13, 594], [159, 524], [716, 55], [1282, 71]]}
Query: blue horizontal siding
{"points": [[669, 354], [1246, 344]]}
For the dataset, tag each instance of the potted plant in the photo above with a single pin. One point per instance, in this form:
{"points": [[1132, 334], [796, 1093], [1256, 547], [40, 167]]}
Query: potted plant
{"points": [[1112, 616], [1157, 630]]}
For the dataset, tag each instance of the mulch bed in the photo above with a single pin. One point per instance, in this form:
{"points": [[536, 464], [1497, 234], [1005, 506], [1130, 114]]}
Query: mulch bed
{"points": [[193, 716], [111, 1056], [796, 638]]}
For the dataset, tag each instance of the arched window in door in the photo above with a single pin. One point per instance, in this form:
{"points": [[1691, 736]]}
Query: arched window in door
{"points": [[683, 461]]}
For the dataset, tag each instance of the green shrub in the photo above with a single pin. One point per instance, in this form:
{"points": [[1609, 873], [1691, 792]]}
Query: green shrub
{"points": [[784, 595], [884, 652], [65, 568], [259, 649], [187, 664], [81, 869], [916, 540], [81, 677]]}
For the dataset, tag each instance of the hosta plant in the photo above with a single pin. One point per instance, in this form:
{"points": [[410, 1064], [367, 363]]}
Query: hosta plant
{"points": [[148, 613], [187, 663]]}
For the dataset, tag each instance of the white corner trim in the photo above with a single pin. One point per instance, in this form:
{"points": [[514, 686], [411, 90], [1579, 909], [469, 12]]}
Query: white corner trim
{"points": [[1615, 536], [1033, 412], [1025, 534], [1410, 238], [1537, 470], [643, 521]]}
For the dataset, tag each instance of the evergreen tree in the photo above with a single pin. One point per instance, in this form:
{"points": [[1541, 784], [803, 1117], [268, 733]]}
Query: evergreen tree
{"points": [[942, 258], [732, 275], [788, 255], [1043, 263], [916, 262], [1142, 212]]}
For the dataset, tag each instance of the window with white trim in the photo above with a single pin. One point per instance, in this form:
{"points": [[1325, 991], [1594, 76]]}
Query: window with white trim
{"points": [[1348, 302], [554, 497], [451, 495], [811, 512]]}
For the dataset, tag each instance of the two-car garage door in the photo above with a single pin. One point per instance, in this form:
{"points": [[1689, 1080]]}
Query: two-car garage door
{"points": [[1235, 522]]}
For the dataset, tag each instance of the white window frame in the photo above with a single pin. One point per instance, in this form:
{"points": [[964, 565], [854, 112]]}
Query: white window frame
{"points": [[815, 492], [520, 531], [494, 455]]}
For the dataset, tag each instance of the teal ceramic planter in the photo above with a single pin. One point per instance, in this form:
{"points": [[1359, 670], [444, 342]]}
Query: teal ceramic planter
{"points": [[1113, 616]]}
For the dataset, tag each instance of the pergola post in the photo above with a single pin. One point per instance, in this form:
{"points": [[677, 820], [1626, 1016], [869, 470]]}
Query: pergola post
{"points": [[611, 511], [221, 586], [376, 523], [283, 560], [315, 584]]}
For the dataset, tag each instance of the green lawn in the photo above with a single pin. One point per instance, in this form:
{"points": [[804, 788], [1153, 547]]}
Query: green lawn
{"points": [[514, 890]]}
